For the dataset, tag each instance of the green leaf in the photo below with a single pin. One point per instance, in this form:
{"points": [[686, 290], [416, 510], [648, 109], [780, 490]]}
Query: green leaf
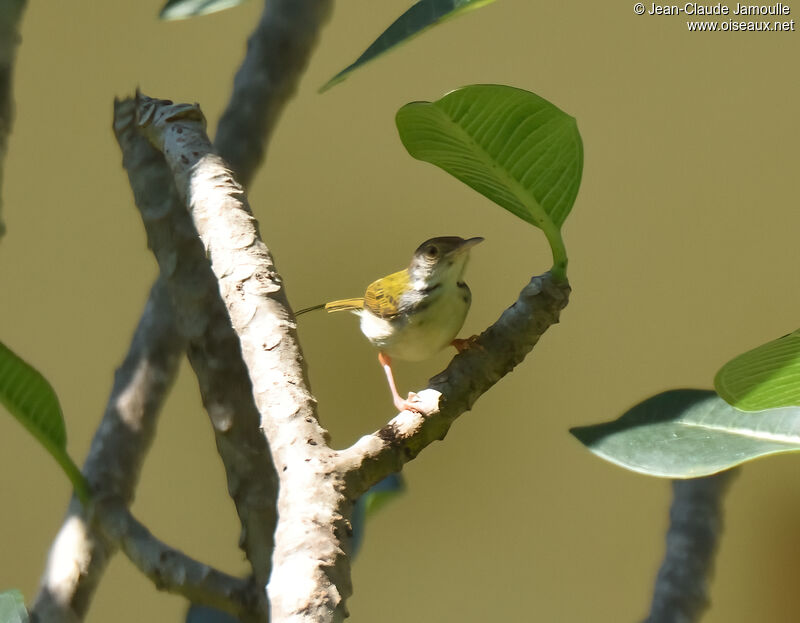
{"points": [[379, 495], [763, 378], [416, 20], [184, 9], [12, 607], [27, 395], [686, 433], [374, 499], [512, 146]]}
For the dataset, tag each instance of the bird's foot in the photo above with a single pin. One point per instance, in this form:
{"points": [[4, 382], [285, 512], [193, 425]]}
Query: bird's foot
{"points": [[465, 344], [412, 403]]}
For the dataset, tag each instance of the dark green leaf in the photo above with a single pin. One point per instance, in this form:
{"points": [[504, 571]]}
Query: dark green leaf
{"points": [[375, 498], [512, 146], [12, 607], [413, 22], [686, 433], [207, 614], [29, 397], [184, 9], [382, 493], [763, 378]]}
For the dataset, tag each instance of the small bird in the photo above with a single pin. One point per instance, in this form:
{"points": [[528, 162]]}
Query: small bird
{"points": [[414, 313]]}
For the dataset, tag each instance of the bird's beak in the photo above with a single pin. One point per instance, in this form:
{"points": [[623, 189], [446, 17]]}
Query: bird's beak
{"points": [[468, 244]]}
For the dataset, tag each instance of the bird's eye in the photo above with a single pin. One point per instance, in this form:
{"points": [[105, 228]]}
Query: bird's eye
{"points": [[432, 251]]}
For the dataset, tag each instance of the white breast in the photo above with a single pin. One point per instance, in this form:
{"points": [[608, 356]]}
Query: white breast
{"points": [[425, 333]]}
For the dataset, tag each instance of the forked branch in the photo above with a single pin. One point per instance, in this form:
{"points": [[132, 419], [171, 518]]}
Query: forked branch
{"points": [[310, 579]]}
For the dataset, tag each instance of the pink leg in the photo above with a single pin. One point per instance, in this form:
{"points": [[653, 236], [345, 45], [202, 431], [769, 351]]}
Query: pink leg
{"points": [[399, 403]]}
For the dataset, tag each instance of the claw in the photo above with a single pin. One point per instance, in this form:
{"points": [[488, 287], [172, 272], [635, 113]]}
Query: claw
{"points": [[465, 344], [413, 403]]}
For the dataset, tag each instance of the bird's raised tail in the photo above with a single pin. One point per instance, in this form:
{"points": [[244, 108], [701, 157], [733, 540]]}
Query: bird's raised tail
{"points": [[335, 306]]}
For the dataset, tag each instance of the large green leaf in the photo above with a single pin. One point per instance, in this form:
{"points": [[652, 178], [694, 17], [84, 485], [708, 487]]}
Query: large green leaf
{"points": [[184, 9], [12, 607], [29, 397], [763, 378], [419, 18], [686, 433], [511, 145]]}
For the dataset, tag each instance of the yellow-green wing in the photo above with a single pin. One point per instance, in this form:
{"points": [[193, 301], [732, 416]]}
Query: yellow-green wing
{"points": [[383, 296]]}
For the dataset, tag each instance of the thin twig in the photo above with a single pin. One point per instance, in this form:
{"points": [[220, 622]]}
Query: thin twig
{"points": [[172, 571], [681, 588]]}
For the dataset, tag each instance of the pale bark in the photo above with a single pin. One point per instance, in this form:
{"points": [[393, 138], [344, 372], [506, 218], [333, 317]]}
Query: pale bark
{"points": [[302, 586], [213, 347]]}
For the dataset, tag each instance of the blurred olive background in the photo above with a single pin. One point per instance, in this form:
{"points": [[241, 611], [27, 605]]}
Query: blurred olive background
{"points": [[683, 249]]}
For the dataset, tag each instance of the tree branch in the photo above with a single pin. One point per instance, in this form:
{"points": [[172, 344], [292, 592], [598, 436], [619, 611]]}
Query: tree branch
{"points": [[213, 347], [310, 579], [277, 54], [80, 553], [10, 17], [172, 571], [452, 392], [681, 588], [278, 51]]}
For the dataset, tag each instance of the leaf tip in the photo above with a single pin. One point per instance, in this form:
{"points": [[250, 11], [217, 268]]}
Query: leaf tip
{"points": [[331, 83]]}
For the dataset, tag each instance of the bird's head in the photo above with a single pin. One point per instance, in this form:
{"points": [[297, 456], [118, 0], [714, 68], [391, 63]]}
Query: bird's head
{"points": [[440, 261]]}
